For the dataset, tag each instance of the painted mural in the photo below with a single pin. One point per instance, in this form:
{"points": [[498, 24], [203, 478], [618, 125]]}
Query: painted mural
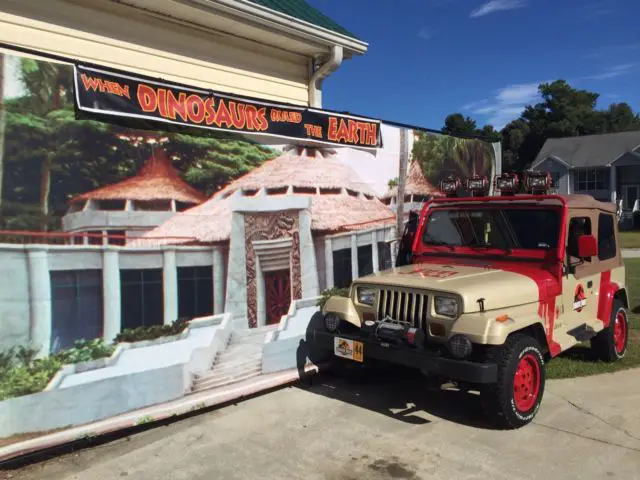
{"points": [[112, 236]]}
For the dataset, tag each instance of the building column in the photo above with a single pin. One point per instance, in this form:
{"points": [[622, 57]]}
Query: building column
{"points": [[374, 251], [218, 281], [308, 265], [170, 286], [354, 256], [39, 300], [112, 321], [613, 183], [328, 262]]}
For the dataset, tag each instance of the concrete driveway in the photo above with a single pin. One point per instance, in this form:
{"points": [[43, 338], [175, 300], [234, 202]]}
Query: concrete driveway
{"points": [[360, 427]]}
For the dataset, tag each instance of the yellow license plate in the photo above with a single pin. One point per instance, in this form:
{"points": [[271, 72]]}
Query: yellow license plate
{"points": [[350, 349]]}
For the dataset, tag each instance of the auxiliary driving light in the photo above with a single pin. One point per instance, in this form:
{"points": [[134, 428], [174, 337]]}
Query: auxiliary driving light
{"points": [[507, 183], [537, 182], [331, 322], [478, 185], [450, 186], [460, 346]]}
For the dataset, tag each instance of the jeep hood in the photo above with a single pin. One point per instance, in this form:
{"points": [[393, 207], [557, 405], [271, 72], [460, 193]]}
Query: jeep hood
{"points": [[500, 284]]}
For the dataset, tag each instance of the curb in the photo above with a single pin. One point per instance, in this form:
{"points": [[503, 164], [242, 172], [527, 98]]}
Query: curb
{"points": [[188, 404]]}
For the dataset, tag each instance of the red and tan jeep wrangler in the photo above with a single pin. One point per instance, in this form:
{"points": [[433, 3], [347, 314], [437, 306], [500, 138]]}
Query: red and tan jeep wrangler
{"points": [[495, 287]]}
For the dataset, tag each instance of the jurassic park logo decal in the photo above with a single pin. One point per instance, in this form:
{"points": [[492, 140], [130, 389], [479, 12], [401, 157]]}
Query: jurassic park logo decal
{"points": [[579, 298], [113, 96], [426, 272]]}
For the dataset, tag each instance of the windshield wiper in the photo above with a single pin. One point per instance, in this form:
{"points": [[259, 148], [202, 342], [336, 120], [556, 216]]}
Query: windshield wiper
{"points": [[479, 244], [437, 243]]}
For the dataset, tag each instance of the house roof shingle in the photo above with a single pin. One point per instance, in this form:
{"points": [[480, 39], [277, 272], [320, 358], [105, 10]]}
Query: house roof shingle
{"points": [[303, 11], [589, 150]]}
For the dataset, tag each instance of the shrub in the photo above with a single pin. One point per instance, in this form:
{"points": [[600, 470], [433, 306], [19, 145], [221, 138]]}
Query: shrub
{"points": [[24, 380], [84, 351], [331, 292], [152, 332]]}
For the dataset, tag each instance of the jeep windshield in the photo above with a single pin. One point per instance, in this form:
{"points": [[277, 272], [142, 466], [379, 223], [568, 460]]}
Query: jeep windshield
{"points": [[504, 229]]}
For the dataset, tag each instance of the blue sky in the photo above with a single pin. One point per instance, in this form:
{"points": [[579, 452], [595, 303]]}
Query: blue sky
{"points": [[429, 58]]}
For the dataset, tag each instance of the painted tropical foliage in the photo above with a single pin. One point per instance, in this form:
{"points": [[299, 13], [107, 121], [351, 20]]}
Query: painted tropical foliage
{"points": [[444, 155], [50, 156]]}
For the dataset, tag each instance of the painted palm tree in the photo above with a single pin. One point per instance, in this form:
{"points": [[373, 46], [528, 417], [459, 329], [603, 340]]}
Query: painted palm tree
{"points": [[49, 87], [2, 129]]}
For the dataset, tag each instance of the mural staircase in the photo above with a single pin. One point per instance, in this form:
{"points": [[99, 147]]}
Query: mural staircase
{"points": [[241, 360]]}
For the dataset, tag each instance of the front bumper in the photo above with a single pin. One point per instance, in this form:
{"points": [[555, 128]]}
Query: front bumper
{"points": [[424, 360]]}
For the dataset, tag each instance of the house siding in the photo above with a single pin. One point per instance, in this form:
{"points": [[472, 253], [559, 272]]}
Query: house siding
{"points": [[119, 37]]}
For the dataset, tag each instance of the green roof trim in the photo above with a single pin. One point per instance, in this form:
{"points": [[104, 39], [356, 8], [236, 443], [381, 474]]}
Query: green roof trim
{"points": [[303, 11]]}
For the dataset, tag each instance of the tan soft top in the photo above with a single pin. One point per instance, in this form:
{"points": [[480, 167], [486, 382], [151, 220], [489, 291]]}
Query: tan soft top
{"points": [[587, 201]]}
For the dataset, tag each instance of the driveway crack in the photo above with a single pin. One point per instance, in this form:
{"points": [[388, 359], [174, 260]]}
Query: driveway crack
{"points": [[586, 411]]}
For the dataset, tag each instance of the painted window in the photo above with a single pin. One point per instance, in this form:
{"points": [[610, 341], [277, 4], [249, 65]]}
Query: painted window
{"points": [[76, 307], [141, 297], [606, 237], [384, 256], [365, 260], [116, 237], [342, 274], [195, 291], [591, 179]]}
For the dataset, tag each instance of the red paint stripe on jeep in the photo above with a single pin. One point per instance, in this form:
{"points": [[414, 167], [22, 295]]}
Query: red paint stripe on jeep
{"points": [[607, 291]]}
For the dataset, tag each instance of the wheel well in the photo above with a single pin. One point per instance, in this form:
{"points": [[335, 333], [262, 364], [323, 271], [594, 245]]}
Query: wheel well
{"points": [[536, 331], [622, 295]]}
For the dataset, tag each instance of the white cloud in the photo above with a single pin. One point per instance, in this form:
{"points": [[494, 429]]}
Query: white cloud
{"points": [[426, 33], [493, 6], [507, 103], [613, 72]]}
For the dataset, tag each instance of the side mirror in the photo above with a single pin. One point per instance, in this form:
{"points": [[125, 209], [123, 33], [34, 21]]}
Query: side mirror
{"points": [[587, 246]]}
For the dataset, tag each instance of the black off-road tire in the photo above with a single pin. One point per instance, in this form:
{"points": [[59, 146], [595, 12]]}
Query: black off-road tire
{"points": [[607, 345], [498, 400]]}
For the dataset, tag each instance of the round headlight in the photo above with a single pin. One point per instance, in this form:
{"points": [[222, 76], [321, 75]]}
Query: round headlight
{"points": [[460, 346], [331, 322]]}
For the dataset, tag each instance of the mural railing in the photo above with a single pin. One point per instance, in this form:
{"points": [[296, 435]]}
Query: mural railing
{"points": [[26, 237]]}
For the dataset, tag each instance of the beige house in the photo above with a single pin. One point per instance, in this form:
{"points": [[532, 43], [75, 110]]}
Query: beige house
{"points": [[277, 50]]}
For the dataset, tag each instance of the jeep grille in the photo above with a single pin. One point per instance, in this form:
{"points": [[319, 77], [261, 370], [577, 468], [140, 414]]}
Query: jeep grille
{"points": [[403, 307]]}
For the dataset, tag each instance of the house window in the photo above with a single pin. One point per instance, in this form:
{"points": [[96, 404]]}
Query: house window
{"points": [[365, 260], [592, 179], [195, 291], [606, 237], [76, 307], [384, 255], [555, 179], [342, 273], [141, 297]]}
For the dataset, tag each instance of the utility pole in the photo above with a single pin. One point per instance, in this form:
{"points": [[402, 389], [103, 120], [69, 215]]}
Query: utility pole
{"points": [[404, 159]]}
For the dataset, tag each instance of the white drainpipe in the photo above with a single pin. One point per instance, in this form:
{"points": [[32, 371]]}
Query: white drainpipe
{"points": [[330, 66]]}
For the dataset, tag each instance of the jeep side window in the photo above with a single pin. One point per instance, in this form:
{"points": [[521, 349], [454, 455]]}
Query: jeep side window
{"points": [[606, 237], [577, 226]]}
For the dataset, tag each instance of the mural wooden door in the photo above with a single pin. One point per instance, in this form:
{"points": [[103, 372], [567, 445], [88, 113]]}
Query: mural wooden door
{"points": [[277, 286]]}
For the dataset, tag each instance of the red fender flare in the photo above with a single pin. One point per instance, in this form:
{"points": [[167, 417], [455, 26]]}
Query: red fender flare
{"points": [[608, 291]]}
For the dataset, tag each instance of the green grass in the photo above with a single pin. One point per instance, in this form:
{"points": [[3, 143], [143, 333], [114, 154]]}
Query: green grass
{"points": [[579, 362], [630, 239]]}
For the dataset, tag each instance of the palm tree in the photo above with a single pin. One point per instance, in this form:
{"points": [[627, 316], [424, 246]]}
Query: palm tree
{"points": [[2, 126], [49, 86]]}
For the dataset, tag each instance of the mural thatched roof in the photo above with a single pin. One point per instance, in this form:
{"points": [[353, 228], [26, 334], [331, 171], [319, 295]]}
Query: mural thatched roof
{"points": [[340, 201], [156, 180], [415, 184]]}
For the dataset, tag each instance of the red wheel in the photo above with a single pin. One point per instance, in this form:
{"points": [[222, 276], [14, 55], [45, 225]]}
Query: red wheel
{"points": [[513, 401], [610, 345], [526, 383], [620, 332]]}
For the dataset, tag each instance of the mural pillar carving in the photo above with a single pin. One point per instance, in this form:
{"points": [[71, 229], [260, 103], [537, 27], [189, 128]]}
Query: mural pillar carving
{"points": [[270, 226]]}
